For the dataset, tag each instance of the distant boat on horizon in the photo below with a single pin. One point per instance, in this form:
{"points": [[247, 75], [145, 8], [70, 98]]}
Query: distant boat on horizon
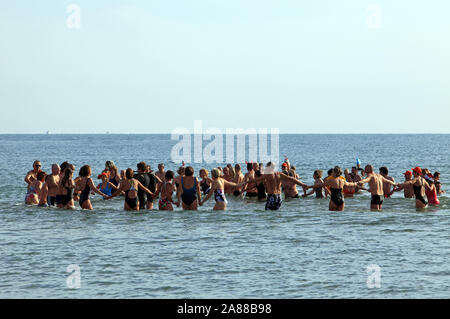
{"points": [[48, 133]]}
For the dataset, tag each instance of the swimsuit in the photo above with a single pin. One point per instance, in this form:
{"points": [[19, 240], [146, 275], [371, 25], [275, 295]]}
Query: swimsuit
{"points": [[131, 202], [114, 181], [51, 200], [84, 196], [432, 197], [65, 199], [273, 201], [336, 196], [163, 202], [219, 196], [251, 194], [145, 181], [188, 195], [261, 191], [418, 193], [30, 193], [107, 190], [319, 193], [376, 200], [205, 187]]}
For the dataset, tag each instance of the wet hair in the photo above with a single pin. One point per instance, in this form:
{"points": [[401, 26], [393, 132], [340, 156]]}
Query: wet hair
{"points": [[203, 170], [337, 171], [109, 164], [215, 173], [63, 166], [129, 174], [169, 175], [181, 170], [384, 170], [67, 173], [330, 171], [318, 173], [41, 176], [249, 166], [237, 167], [85, 171], [141, 166], [189, 171], [436, 174]]}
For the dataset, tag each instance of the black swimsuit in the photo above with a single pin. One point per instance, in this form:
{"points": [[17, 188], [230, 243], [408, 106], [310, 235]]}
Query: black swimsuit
{"points": [[337, 197], [84, 196], [418, 193], [131, 202], [261, 191], [65, 199], [205, 187]]}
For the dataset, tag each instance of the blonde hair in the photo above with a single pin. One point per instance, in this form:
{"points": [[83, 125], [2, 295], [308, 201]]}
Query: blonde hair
{"points": [[203, 170], [215, 173]]}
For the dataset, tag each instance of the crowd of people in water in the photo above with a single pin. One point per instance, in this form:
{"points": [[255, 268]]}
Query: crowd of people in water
{"points": [[143, 188]]}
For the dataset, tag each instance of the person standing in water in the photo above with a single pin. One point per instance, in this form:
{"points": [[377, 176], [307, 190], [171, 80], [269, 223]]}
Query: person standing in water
{"points": [[34, 191], [419, 185], [238, 179], [130, 187], [153, 182], [408, 190], [32, 175], [432, 192], [273, 181], [189, 191], [387, 187], [335, 183], [348, 190], [205, 183], [250, 188], [66, 186], [218, 189], [144, 179], [50, 187], [161, 174], [84, 186], [166, 190], [316, 188], [106, 187], [376, 187], [437, 182]]}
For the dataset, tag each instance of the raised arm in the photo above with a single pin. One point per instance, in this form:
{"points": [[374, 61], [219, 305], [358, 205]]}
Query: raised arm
{"points": [[292, 179]]}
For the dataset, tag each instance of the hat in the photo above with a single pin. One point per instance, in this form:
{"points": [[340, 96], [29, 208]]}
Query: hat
{"points": [[407, 173], [101, 175], [284, 164], [418, 170]]}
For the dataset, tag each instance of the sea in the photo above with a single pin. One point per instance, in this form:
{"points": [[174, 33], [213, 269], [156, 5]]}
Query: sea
{"points": [[299, 251]]}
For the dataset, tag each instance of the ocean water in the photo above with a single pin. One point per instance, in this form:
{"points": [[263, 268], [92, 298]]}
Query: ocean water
{"points": [[300, 251]]}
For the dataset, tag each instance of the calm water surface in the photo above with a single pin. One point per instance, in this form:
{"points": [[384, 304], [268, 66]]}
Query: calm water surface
{"points": [[300, 251]]}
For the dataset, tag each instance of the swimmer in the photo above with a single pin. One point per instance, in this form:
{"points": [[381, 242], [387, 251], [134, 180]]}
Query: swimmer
{"points": [[336, 182], [130, 187], [106, 187], [113, 174], [32, 175], [349, 191], [227, 176], [35, 189], [376, 187], [238, 179], [432, 192], [50, 187], [166, 189], [273, 185], [161, 174], [154, 180], [180, 175], [66, 186], [261, 187], [408, 190], [289, 187], [387, 187], [189, 191], [419, 185], [218, 189], [144, 179], [316, 188], [250, 188], [205, 183], [437, 182], [84, 186]]}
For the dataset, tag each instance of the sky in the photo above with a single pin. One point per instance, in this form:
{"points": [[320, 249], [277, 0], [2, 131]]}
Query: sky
{"points": [[149, 66]]}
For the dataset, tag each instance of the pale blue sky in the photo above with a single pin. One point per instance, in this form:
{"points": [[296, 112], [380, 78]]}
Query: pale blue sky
{"points": [[151, 66]]}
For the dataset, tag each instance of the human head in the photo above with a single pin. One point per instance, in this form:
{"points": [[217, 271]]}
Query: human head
{"points": [[237, 168], [55, 169], [103, 177], [436, 176], [109, 164], [189, 171], [169, 175], [384, 170], [215, 173], [337, 171], [85, 171], [141, 167], [161, 167], [317, 174], [203, 173], [181, 170], [129, 174], [354, 170], [249, 167], [284, 167], [330, 172], [68, 172], [63, 166], [408, 175], [368, 169], [417, 171], [41, 176], [37, 165]]}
